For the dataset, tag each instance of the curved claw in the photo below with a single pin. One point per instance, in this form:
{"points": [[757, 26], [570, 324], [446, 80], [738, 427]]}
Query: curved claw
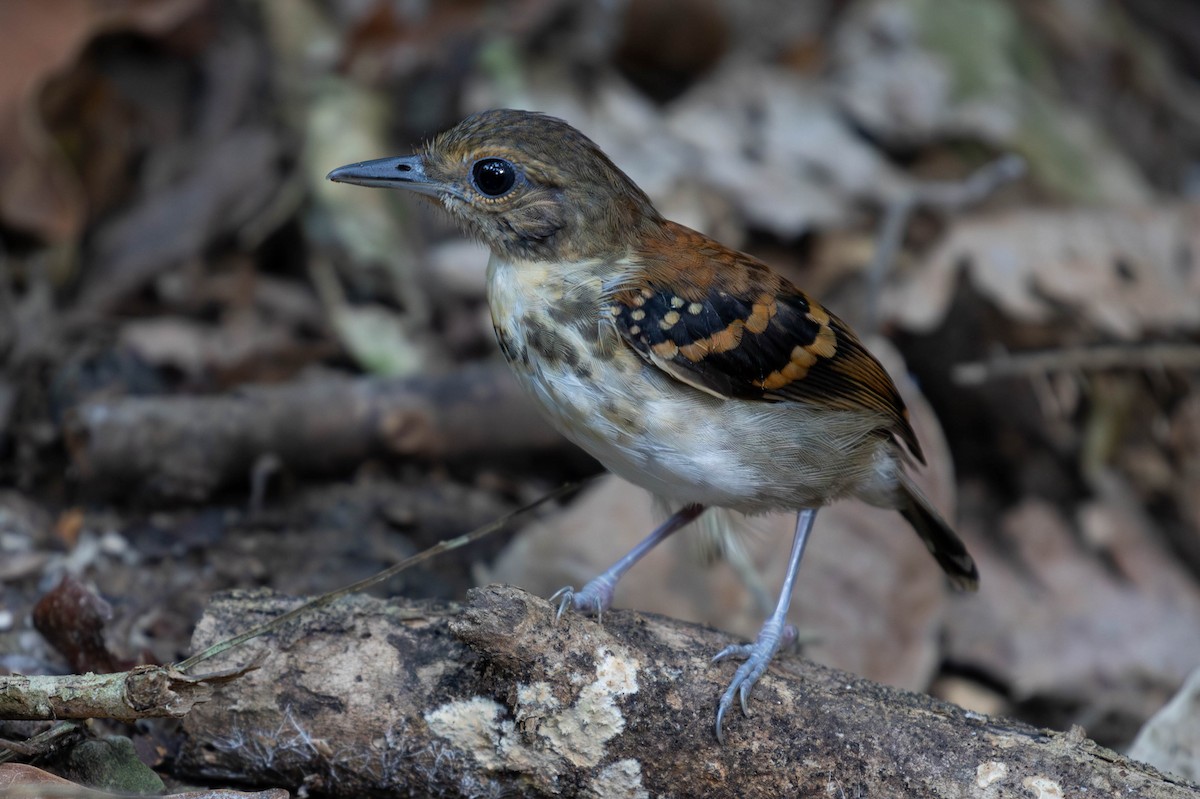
{"points": [[757, 657], [566, 596], [721, 708], [740, 686], [774, 632], [593, 598], [733, 650]]}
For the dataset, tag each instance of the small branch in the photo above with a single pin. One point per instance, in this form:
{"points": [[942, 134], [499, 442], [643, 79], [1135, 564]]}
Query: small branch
{"points": [[1093, 359], [944, 196], [144, 692], [40, 744]]}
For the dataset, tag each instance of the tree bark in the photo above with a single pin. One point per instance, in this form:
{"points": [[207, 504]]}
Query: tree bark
{"points": [[495, 697]]}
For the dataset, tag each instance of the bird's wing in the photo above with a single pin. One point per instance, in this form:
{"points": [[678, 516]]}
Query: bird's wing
{"points": [[724, 323]]}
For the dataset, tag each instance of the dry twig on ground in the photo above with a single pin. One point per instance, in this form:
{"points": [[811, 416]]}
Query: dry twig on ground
{"points": [[142, 692]]}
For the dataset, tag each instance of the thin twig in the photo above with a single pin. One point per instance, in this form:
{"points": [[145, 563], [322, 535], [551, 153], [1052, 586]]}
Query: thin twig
{"points": [[944, 196], [325, 599], [1094, 359], [39, 743]]}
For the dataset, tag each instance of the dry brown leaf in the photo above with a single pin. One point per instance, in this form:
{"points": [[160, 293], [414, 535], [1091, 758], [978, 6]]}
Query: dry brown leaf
{"points": [[17, 775], [1171, 739], [72, 618], [228, 182], [776, 144], [1055, 620], [243, 343], [1126, 272], [38, 191]]}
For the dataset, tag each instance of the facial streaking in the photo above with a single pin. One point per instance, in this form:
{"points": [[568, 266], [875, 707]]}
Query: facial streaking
{"points": [[529, 186]]}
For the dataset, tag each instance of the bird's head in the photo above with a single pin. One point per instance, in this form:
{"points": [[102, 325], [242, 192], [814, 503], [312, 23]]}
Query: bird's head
{"points": [[528, 185]]}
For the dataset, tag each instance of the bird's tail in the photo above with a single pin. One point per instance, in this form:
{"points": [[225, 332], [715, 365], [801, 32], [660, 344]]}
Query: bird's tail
{"points": [[943, 543]]}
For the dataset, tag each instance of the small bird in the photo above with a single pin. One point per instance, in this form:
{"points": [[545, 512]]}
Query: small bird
{"points": [[683, 366]]}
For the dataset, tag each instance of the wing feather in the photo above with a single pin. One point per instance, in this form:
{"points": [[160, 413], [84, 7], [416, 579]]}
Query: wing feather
{"points": [[723, 323]]}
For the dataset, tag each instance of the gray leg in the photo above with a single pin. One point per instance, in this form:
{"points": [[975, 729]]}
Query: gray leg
{"points": [[771, 636], [597, 596]]}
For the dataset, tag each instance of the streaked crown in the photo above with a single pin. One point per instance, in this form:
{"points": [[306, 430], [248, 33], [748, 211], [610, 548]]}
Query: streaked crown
{"points": [[531, 186]]}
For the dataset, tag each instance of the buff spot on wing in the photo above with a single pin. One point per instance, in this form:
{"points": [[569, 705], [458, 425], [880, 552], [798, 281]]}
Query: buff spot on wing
{"points": [[818, 314], [760, 314], [638, 315], [721, 341], [695, 308], [677, 302], [666, 349], [797, 368], [670, 318], [825, 344]]}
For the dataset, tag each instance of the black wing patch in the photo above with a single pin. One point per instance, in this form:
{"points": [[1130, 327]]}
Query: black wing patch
{"points": [[772, 347]]}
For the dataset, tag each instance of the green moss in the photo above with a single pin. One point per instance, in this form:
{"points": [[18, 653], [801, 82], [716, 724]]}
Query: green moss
{"points": [[111, 764]]}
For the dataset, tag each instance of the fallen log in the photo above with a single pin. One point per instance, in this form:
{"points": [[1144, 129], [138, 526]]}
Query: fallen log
{"points": [[495, 697], [186, 447]]}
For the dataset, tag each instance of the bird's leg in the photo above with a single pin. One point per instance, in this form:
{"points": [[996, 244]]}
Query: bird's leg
{"points": [[745, 569], [771, 636], [597, 596]]}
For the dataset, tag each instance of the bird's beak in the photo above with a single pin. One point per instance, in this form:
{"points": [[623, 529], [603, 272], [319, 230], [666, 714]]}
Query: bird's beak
{"points": [[405, 172]]}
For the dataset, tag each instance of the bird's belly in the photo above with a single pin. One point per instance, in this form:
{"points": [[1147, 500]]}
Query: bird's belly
{"points": [[689, 447]]}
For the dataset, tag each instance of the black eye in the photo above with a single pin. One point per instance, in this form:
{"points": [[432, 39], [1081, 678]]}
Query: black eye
{"points": [[494, 176]]}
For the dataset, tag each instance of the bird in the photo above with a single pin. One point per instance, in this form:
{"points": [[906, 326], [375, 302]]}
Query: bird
{"points": [[684, 366]]}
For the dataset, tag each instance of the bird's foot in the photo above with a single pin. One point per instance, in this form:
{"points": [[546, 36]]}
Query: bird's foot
{"points": [[757, 657], [593, 599]]}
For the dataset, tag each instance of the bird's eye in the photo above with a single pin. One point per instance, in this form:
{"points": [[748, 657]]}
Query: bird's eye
{"points": [[494, 177]]}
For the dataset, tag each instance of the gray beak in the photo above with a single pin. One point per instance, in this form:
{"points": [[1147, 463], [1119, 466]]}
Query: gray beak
{"points": [[405, 172]]}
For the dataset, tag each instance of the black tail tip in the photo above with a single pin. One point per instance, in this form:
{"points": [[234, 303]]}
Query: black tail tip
{"points": [[964, 581]]}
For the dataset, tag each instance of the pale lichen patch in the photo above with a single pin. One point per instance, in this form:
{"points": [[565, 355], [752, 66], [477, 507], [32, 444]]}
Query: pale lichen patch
{"points": [[473, 725], [577, 734], [477, 725], [619, 780], [581, 731], [990, 772], [538, 693], [1043, 787]]}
